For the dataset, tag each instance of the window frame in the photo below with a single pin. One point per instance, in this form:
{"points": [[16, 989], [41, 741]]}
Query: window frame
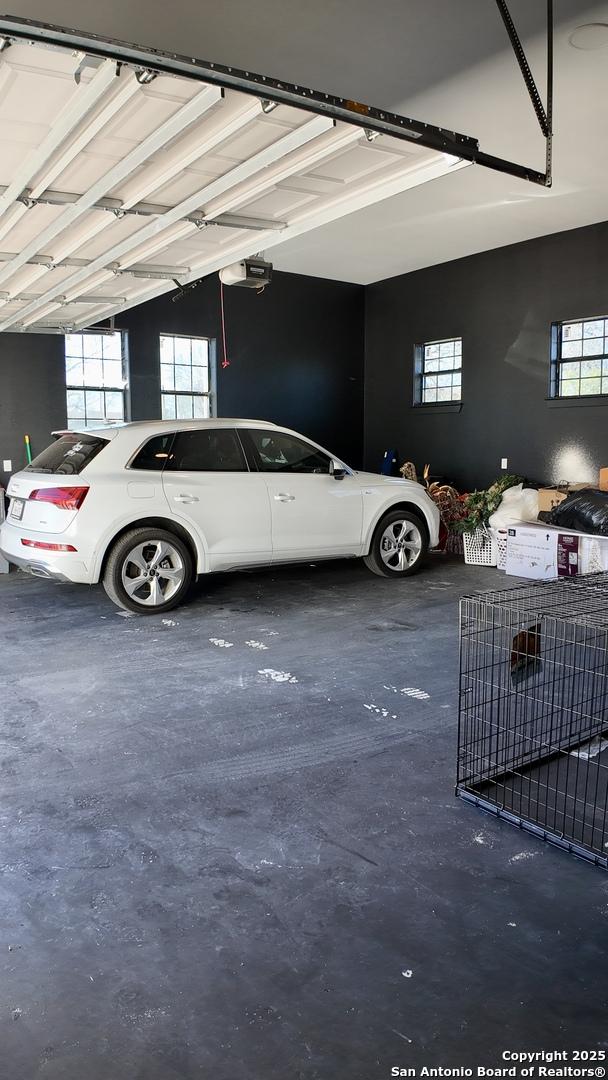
{"points": [[210, 394], [420, 373], [95, 388], [557, 360]]}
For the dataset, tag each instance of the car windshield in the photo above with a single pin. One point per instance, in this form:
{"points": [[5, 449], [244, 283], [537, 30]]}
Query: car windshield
{"points": [[68, 455]]}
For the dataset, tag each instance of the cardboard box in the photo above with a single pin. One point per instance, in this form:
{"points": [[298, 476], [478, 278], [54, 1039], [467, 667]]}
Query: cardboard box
{"points": [[548, 497], [542, 552], [532, 552], [603, 479]]}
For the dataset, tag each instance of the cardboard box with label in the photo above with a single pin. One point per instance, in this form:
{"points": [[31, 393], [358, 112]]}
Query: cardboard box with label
{"points": [[531, 552], [542, 552]]}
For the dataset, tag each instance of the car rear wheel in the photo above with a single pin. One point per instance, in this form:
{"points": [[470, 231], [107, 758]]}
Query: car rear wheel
{"points": [[148, 571], [399, 545]]}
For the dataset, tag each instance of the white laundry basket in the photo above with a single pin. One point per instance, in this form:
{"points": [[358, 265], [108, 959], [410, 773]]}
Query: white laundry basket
{"points": [[480, 548], [500, 536]]}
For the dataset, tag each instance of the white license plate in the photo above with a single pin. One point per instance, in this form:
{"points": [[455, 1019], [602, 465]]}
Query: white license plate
{"points": [[17, 507]]}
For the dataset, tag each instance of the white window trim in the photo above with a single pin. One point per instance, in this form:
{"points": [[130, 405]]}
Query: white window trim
{"points": [[210, 394], [83, 387]]}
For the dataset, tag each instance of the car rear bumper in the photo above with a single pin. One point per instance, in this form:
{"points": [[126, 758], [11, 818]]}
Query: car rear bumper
{"points": [[38, 569], [56, 565]]}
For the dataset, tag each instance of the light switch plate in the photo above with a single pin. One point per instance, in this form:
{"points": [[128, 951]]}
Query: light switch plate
{"points": [[504, 463], [7, 465]]}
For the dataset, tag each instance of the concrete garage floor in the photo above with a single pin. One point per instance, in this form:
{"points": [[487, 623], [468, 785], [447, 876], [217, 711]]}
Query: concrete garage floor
{"points": [[211, 872]]}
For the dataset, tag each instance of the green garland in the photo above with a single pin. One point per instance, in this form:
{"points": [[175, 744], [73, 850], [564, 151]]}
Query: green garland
{"points": [[478, 506]]}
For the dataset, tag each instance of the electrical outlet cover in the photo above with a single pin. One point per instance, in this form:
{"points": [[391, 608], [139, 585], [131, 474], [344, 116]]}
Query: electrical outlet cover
{"points": [[504, 463], [7, 465]]}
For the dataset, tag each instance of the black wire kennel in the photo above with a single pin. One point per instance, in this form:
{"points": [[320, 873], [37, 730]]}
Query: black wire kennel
{"points": [[532, 715]]}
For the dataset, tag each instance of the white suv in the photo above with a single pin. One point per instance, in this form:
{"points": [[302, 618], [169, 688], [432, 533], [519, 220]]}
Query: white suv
{"points": [[146, 507]]}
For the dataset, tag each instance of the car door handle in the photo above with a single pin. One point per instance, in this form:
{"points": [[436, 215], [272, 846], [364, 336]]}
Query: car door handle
{"points": [[283, 497], [185, 498]]}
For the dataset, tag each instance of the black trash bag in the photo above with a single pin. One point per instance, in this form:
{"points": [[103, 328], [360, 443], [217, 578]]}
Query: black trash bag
{"points": [[585, 511]]}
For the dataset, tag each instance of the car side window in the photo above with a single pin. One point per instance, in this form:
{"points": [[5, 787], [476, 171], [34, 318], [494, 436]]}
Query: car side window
{"points": [[154, 454], [278, 452], [207, 450]]}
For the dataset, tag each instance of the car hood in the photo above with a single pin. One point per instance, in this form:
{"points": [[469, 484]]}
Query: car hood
{"points": [[378, 480]]}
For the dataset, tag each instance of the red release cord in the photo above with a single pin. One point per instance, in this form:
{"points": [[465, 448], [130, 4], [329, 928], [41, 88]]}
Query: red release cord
{"points": [[225, 360]]}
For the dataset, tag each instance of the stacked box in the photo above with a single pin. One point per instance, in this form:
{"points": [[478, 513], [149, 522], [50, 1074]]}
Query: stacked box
{"points": [[543, 552]]}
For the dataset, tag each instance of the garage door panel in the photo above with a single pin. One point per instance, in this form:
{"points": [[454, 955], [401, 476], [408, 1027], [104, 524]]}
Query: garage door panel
{"points": [[177, 144]]}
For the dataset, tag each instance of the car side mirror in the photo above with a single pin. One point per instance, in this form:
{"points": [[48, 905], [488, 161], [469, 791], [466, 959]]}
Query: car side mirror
{"points": [[337, 470]]}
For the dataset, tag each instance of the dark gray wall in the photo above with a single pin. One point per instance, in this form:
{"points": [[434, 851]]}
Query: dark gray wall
{"points": [[502, 303], [296, 353], [32, 394], [296, 358]]}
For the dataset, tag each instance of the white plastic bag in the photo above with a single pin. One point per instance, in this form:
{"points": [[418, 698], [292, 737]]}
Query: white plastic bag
{"points": [[517, 504]]}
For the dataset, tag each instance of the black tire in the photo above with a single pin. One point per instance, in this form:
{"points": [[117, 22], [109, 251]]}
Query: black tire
{"points": [[171, 575], [413, 530]]}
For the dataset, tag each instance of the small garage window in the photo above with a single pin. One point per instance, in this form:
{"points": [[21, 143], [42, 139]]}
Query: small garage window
{"points": [[438, 372], [186, 381], [580, 358], [95, 377]]}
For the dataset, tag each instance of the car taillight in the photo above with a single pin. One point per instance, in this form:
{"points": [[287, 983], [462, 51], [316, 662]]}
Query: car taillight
{"points": [[47, 547], [65, 498]]}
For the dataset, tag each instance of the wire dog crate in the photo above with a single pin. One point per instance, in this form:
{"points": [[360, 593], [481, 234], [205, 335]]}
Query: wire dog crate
{"points": [[533, 709]]}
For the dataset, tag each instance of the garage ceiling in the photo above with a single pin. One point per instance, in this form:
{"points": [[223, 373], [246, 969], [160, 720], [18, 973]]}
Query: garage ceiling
{"points": [[416, 57], [471, 82], [115, 184]]}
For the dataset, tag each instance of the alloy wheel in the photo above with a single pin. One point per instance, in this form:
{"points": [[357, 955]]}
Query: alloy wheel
{"points": [[400, 545], [153, 572]]}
